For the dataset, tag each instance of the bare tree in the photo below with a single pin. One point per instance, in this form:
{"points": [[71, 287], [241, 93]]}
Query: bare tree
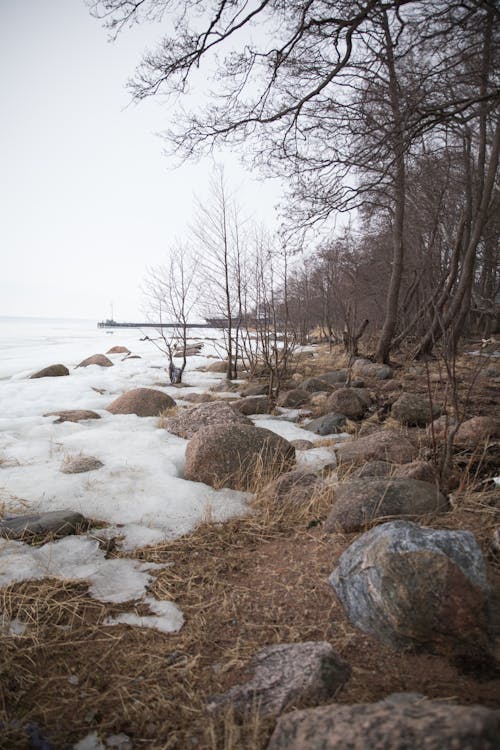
{"points": [[170, 300], [217, 231]]}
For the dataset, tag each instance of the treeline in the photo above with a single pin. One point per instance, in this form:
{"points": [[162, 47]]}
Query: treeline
{"points": [[389, 109]]}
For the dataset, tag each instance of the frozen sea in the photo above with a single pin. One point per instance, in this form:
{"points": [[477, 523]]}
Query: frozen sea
{"points": [[139, 496]]}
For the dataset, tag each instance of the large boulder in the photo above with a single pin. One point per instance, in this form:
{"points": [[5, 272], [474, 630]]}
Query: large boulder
{"points": [[416, 587], [145, 402], [72, 415], [362, 502], [296, 487], [367, 369], [187, 422], [236, 456], [52, 371], [295, 397], [348, 401], [413, 409], [381, 445], [404, 721], [96, 359], [329, 424], [253, 405], [286, 675]]}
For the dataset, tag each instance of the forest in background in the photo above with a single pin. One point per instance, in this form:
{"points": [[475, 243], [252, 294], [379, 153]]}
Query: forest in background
{"points": [[385, 111]]}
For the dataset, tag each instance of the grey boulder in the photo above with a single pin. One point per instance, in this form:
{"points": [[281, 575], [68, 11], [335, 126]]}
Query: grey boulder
{"points": [[362, 502], [412, 409], [329, 424], [418, 588], [287, 675], [400, 722]]}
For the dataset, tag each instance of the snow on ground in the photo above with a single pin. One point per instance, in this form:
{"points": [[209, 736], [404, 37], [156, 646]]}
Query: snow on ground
{"points": [[76, 558], [139, 493]]}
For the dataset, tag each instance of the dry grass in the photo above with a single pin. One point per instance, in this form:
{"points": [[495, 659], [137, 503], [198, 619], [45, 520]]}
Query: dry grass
{"points": [[244, 584]]}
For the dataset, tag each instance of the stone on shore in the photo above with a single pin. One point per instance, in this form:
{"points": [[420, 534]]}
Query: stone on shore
{"points": [[236, 455], [58, 523], [315, 385], [253, 405], [297, 487], [348, 401], [329, 424], [367, 369], [52, 371], [419, 588], [295, 397], [72, 415], [118, 350], [96, 359], [144, 402], [284, 676], [404, 721], [381, 445], [187, 422], [413, 409], [362, 502]]}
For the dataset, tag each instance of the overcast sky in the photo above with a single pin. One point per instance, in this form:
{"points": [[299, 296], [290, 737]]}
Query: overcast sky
{"points": [[87, 199]]}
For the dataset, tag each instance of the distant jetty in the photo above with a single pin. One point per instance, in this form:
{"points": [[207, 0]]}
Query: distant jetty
{"points": [[114, 324]]}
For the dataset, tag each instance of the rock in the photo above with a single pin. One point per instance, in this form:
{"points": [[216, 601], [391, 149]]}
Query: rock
{"points": [[52, 371], [287, 675], [422, 470], [361, 502], [253, 405], [382, 445], [80, 464], [335, 377], [130, 356], [145, 402], [215, 367], [329, 424], [255, 389], [400, 722], [477, 430], [313, 385], [295, 397], [420, 588], [302, 445], [348, 401], [296, 487], [374, 469], [118, 350], [96, 359], [235, 455], [72, 415], [57, 523], [412, 409], [368, 369], [187, 422]]}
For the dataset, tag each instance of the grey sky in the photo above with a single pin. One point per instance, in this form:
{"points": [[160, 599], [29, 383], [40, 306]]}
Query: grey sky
{"points": [[87, 200]]}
